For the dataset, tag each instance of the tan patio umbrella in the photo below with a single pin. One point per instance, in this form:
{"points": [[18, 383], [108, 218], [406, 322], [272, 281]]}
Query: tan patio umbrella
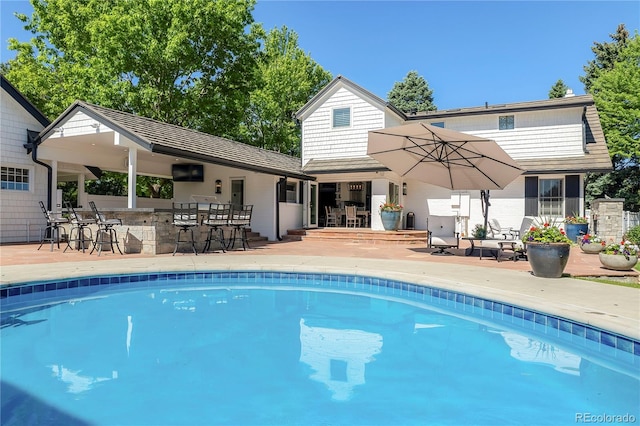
{"points": [[444, 157]]}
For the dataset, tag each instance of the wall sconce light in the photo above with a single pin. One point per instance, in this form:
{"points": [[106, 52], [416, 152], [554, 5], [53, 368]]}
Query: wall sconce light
{"points": [[95, 125], [218, 186], [59, 130], [404, 188]]}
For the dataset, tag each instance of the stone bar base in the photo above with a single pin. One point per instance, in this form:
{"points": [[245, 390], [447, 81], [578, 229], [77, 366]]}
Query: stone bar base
{"points": [[147, 231]]}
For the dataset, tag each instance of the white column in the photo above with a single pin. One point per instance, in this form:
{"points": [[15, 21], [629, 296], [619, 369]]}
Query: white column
{"points": [[131, 182], [379, 193], [54, 185], [82, 195]]}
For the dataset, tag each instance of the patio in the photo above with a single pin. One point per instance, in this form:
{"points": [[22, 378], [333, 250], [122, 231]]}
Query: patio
{"points": [[580, 264]]}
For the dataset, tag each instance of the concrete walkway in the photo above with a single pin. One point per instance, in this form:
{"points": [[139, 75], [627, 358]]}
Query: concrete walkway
{"points": [[610, 307]]}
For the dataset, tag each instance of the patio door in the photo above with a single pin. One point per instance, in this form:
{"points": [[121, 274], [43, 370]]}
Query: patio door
{"points": [[237, 192], [310, 218]]}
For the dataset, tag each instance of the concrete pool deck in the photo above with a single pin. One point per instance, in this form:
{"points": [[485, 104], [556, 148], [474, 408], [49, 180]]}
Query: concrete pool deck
{"points": [[613, 308]]}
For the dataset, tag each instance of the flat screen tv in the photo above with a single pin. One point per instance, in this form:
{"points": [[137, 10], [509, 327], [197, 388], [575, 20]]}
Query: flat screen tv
{"points": [[187, 172]]}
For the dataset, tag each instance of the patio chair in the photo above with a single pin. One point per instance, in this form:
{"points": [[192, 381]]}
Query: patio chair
{"points": [[185, 217], [80, 225], [105, 229], [496, 229], [217, 217], [441, 234], [331, 219], [52, 231], [351, 214], [240, 221]]}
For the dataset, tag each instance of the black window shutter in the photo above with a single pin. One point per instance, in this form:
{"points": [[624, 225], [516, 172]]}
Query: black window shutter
{"points": [[531, 196], [572, 197]]}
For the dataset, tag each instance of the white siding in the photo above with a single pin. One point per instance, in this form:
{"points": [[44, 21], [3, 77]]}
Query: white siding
{"points": [[19, 210], [79, 124], [537, 134], [321, 141]]}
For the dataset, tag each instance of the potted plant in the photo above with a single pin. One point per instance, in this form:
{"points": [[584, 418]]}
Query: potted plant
{"points": [[479, 232], [547, 248], [620, 256], [390, 213], [576, 226], [591, 244]]}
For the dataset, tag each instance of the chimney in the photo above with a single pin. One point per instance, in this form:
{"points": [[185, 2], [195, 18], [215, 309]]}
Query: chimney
{"points": [[569, 93]]}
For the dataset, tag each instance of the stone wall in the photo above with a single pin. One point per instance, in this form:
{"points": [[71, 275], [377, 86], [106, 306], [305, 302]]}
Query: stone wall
{"points": [[607, 218]]}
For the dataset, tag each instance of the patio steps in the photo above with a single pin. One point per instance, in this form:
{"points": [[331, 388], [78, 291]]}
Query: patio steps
{"points": [[358, 235]]}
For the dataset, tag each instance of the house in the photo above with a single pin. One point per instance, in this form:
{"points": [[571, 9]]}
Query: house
{"points": [[87, 139], [554, 141], [23, 182]]}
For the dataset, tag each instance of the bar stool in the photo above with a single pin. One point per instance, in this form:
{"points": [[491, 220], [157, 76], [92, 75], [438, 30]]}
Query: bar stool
{"points": [[217, 217], [80, 225], [240, 221], [105, 228], [52, 231], [185, 217]]}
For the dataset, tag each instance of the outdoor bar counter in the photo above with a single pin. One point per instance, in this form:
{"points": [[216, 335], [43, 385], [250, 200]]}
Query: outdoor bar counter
{"points": [[146, 230]]}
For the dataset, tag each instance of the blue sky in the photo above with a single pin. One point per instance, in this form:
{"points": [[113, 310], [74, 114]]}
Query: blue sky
{"points": [[470, 52]]}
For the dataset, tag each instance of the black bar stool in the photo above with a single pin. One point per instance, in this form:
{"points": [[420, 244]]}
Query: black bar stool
{"points": [[217, 217], [185, 217], [240, 221], [105, 228], [54, 224], [80, 225]]}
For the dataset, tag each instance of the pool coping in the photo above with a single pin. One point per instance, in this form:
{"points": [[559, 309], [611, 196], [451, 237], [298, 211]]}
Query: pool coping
{"points": [[612, 308]]}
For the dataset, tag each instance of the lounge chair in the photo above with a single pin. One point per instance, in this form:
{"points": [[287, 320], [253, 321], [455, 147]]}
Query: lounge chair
{"points": [[496, 229], [441, 234]]}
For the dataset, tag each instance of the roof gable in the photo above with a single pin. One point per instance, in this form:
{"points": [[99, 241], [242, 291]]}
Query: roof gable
{"points": [[342, 82], [23, 101], [170, 139]]}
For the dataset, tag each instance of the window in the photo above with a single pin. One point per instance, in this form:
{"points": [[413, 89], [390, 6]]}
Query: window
{"points": [[342, 117], [14, 178], [438, 124], [291, 192], [550, 197], [505, 122]]}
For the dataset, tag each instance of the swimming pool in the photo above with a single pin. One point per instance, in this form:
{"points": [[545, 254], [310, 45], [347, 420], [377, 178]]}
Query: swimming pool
{"points": [[294, 348]]}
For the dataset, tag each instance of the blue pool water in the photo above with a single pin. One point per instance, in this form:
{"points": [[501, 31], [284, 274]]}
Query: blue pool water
{"points": [[303, 349]]}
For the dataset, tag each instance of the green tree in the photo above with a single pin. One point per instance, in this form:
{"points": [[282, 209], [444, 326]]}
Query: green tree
{"points": [[184, 63], [558, 90], [286, 78], [606, 55], [412, 94], [180, 62], [616, 91]]}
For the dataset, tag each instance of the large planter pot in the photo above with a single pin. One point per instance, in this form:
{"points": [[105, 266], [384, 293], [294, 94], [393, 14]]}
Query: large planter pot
{"points": [[390, 220], [592, 248], [548, 260], [575, 230], [618, 262]]}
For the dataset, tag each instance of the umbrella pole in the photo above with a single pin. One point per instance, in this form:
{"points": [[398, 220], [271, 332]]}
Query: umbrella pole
{"points": [[484, 198]]}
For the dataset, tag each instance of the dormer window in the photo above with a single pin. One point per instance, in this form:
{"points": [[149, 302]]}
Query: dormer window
{"points": [[341, 117], [505, 122]]}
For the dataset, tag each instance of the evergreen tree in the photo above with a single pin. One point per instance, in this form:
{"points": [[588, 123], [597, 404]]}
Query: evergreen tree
{"points": [[606, 55], [613, 78], [558, 90], [412, 94]]}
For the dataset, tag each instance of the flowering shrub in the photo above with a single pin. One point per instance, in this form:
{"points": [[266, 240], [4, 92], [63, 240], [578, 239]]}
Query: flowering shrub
{"points": [[592, 239], [574, 220], [390, 207], [545, 232], [623, 248]]}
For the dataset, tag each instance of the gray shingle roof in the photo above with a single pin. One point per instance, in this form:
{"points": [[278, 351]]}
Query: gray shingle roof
{"points": [[596, 159], [174, 140], [344, 165]]}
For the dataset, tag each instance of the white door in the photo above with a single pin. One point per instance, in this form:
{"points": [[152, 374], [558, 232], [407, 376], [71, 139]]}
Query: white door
{"points": [[310, 217]]}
